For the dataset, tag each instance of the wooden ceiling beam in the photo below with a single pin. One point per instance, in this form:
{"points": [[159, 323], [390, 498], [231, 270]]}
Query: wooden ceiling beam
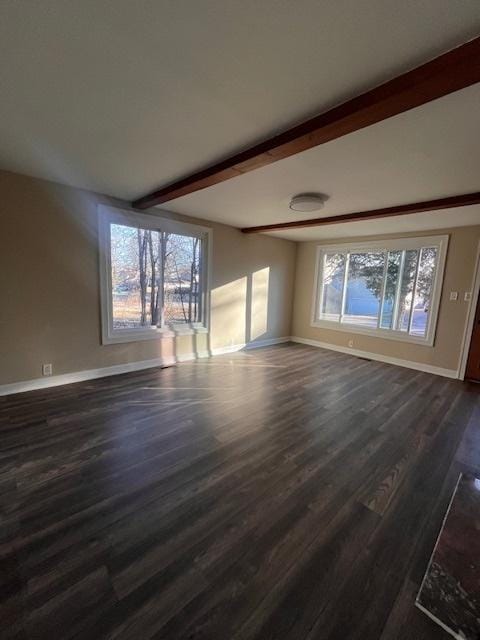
{"points": [[452, 71], [387, 212]]}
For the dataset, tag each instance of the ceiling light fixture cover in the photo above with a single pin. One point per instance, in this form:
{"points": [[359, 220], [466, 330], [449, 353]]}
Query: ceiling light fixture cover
{"points": [[308, 201]]}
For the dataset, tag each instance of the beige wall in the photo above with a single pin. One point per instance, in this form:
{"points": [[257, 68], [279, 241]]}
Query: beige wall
{"points": [[50, 299], [49, 285], [459, 274]]}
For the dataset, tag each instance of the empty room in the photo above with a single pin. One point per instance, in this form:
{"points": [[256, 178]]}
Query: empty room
{"points": [[239, 320]]}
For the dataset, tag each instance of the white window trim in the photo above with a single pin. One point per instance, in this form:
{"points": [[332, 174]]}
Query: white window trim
{"points": [[441, 242], [129, 217]]}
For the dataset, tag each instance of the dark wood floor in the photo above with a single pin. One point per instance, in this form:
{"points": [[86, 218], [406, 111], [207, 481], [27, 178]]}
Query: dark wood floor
{"points": [[284, 493]]}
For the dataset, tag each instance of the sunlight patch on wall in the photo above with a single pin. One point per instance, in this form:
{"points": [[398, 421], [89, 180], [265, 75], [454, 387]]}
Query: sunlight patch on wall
{"points": [[229, 304], [259, 307]]}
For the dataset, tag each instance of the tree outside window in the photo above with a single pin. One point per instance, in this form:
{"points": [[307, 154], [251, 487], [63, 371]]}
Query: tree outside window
{"points": [[143, 259]]}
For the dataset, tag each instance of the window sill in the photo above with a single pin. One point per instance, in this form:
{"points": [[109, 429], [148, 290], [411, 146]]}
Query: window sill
{"points": [[155, 333], [376, 333]]}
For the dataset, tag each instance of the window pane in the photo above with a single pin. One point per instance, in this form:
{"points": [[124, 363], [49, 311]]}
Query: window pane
{"points": [[333, 276], [364, 289], [406, 289], [393, 268], [135, 267], [182, 282], [380, 289], [423, 291]]}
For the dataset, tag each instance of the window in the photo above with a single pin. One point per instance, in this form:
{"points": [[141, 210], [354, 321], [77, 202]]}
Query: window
{"points": [[181, 288], [391, 289], [153, 276]]}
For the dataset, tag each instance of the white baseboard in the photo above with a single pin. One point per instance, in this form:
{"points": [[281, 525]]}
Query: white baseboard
{"points": [[185, 357], [92, 374], [249, 345], [410, 364], [80, 376]]}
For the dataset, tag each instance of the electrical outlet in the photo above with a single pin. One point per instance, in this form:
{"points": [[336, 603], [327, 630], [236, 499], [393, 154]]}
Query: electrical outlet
{"points": [[468, 296], [350, 343], [47, 369], [453, 295]]}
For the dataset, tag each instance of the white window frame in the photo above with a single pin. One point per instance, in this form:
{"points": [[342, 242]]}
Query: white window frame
{"points": [[378, 246], [107, 216]]}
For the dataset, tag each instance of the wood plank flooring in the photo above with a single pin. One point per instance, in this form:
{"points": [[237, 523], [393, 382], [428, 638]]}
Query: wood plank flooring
{"points": [[282, 493]]}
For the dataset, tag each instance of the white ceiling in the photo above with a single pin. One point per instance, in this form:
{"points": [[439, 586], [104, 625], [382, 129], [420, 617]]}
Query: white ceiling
{"points": [[429, 152], [122, 97], [433, 220]]}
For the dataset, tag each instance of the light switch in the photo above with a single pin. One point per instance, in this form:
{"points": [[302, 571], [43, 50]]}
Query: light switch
{"points": [[453, 295], [468, 296]]}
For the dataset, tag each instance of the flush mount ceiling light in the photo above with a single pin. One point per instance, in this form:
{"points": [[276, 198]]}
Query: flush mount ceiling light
{"points": [[308, 201]]}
